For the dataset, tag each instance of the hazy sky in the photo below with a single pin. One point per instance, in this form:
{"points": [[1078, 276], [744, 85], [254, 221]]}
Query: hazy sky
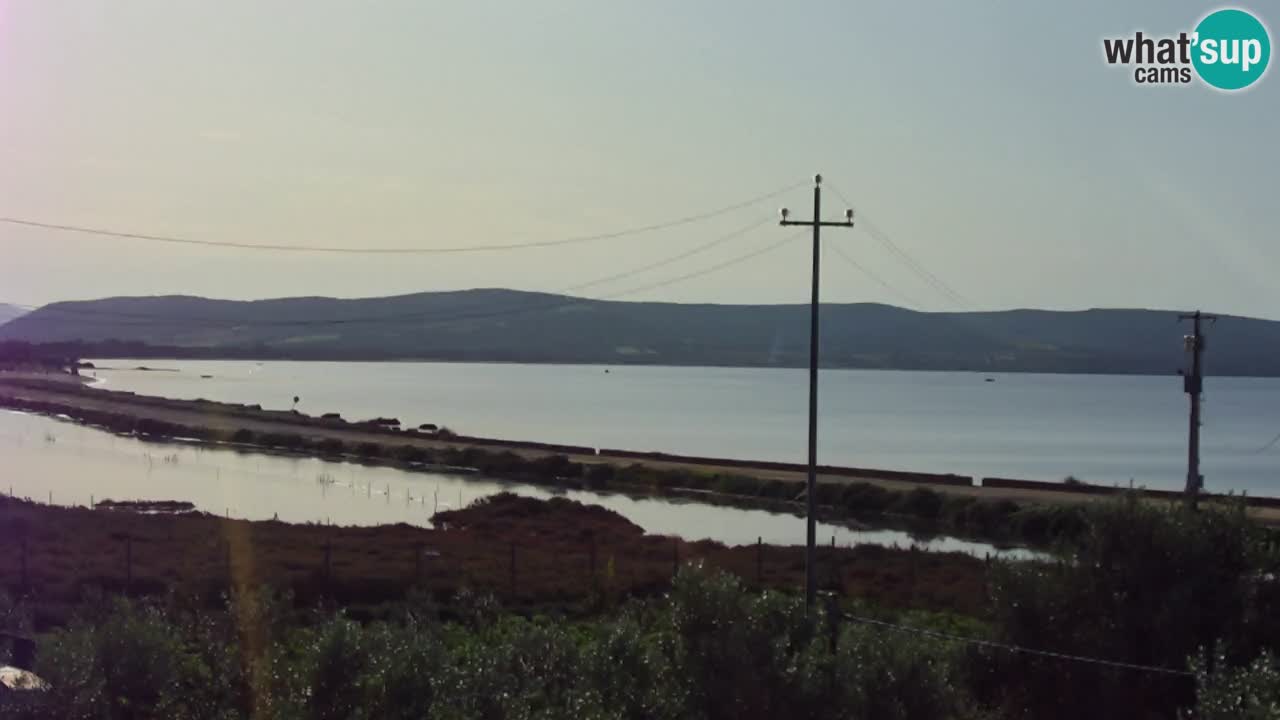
{"points": [[988, 139]]}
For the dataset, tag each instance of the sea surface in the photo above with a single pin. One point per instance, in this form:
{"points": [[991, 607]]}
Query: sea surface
{"points": [[1106, 429]]}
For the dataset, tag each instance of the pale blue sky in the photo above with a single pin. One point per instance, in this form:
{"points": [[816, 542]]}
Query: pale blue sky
{"points": [[987, 138]]}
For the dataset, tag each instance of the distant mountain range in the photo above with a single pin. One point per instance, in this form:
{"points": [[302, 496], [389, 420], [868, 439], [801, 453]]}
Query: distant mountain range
{"points": [[508, 325]]}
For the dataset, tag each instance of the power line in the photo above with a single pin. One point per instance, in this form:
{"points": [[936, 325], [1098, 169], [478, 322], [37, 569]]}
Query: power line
{"points": [[912, 264], [569, 302], [873, 276], [1270, 444], [673, 259], [707, 271], [430, 318], [686, 220], [920, 270], [1016, 648]]}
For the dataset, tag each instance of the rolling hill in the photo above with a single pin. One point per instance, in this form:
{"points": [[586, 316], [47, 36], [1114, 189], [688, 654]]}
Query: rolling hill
{"points": [[507, 325], [9, 312]]}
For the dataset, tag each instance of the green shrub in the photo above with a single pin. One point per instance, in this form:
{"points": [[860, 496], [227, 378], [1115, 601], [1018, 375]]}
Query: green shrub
{"points": [[133, 662], [730, 484], [317, 673], [1251, 692], [989, 518], [860, 498], [331, 446], [505, 463], [776, 489], [599, 475], [829, 493], [896, 677], [551, 467], [1146, 585], [920, 502], [637, 474], [284, 440], [412, 454]]}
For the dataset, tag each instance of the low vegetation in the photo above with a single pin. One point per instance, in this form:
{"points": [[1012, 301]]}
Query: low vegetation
{"points": [[1187, 601], [533, 554]]}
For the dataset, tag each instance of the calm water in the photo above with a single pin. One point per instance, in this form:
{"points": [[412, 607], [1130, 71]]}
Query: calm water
{"points": [[46, 459], [1099, 428]]}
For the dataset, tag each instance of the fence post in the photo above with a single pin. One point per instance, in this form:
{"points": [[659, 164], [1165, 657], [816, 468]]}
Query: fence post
{"points": [[128, 564], [328, 566], [512, 578], [24, 561], [759, 559], [417, 564], [833, 620], [835, 567], [675, 556], [595, 583], [833, 635], [913, 574], [226, 559]]}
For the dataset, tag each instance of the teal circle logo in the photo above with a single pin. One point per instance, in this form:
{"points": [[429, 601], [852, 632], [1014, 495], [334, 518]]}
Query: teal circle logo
{"points": [[1231, 49]]}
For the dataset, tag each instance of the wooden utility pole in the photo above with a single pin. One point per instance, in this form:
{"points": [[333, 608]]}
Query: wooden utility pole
{"points": [[810, 569], [1193, 385]]}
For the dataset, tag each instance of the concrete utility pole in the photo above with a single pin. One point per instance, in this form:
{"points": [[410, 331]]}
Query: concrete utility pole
{"points": [[1193, 385], [810, 562]]}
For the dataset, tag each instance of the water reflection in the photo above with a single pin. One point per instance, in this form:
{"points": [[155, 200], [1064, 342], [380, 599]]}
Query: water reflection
{"points": [[74, 465]]}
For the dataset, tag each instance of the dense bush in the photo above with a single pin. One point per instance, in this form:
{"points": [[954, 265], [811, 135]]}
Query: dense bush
{"points": [[920, 502], [555, 467], [1043, 524], [779, 489], [598, 475], [284, 440], [641, 475], [709, 650], [1138, 584], [131, 661], [501, 464], [1251, 692], [330, 446], [412, 454], [866, 499], [1142, 584], [732, 484]]}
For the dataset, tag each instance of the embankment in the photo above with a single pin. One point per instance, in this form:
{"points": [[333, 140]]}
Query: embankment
{"points": [[1023, 512]]}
